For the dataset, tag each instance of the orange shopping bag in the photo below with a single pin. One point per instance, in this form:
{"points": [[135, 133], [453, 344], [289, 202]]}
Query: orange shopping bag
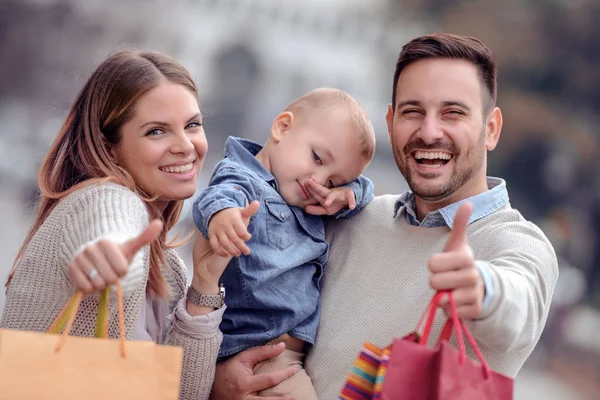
{"points": [[37, 365]]}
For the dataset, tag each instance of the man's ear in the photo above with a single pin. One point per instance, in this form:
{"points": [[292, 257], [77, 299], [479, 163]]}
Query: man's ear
{"points": [[493, 128], [389, 117], [281, 125]]}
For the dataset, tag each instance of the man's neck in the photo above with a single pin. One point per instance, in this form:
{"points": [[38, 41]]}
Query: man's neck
{"points": [[424, 206]]}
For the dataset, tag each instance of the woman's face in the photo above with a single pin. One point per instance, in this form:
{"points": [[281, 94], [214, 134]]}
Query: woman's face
{"points": [[163, 145]]}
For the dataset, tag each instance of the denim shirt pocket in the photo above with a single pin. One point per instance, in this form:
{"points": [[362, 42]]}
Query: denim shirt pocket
{"points": [[279, 223]]}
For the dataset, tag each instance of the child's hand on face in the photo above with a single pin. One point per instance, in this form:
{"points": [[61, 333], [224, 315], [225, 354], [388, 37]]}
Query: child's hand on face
{"points": [[330, 201], [227, 230]]}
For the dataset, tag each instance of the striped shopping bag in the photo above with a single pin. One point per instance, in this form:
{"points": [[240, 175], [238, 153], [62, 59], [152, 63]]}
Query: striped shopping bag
{"points": [[365, 380]]}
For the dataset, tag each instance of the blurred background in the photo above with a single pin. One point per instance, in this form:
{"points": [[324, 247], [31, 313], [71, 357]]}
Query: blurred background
{"points": [[250, 58]]}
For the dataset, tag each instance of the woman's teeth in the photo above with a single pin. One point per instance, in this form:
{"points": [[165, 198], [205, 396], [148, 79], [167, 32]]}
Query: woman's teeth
{"points": [[180, 169]]}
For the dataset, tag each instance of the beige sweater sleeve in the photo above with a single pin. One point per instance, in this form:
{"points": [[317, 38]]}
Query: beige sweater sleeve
{"points": [[114, 212], [199, 362], [524, 271], [106, 211]]}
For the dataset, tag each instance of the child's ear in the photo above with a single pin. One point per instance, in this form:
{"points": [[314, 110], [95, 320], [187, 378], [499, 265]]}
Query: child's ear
{"points": [[281, 125]]}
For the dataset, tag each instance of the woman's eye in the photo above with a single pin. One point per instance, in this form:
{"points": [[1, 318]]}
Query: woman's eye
{"points": [[155, 132], [194, 124], [317, 158], [331, 184]]}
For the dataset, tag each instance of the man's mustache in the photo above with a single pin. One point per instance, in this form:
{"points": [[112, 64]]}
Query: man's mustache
{"points": [[438, 145]]}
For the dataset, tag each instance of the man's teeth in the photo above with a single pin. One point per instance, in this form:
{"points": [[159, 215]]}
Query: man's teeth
{"points": [[180, 169], [432, 155], [432, 165]]}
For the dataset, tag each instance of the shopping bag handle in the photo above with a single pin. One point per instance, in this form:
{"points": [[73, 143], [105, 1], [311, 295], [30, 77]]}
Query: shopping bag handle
{"points": [[69, 311], [452, 324]]}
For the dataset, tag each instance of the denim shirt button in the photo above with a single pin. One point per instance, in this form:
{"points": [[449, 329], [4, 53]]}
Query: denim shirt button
{"points": [[282, 214]]}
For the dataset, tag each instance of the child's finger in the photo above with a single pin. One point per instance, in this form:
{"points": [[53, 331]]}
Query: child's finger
{"points": [[237, 242], [316, 196], [351, 200], [216, 246], [315, 210], [227, 245], [329, 199], [320, 189], [242, 232], [250, 209]]}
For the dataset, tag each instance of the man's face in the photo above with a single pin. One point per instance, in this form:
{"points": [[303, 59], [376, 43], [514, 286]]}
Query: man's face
{"points": [[438, 131]]}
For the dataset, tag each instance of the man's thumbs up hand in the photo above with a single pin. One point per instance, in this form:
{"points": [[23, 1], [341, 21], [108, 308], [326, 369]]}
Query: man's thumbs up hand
{"points": [[455, 269]]}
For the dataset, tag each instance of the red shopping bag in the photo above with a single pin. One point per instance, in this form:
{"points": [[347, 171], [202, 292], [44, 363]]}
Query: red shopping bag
{"points": [[416, 372]]}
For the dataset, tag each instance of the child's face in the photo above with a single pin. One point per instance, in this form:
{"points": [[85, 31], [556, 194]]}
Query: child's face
{"points": [[323, 146]]}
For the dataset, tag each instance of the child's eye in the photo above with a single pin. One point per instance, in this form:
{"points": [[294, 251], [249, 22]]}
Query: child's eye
{"points": [[317, 158]]}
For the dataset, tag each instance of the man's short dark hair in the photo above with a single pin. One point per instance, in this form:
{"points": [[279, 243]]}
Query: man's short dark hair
{"points": [[447, 45]]}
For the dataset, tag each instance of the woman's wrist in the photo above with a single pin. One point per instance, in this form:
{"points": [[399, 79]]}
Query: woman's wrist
{"points": [[195, 310], [205, 286], [202, 287]]}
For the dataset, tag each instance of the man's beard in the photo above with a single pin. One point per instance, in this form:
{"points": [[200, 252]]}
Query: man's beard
{"points": [[459, 176]]}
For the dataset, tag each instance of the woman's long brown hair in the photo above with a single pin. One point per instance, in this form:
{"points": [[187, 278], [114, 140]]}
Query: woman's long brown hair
{"points": [[80, 154]]}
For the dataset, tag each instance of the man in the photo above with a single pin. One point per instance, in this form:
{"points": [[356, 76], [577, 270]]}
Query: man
{"points": [[454, 229]]}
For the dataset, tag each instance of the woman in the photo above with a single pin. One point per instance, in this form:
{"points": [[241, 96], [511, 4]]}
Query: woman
{"points": [[129, 152]]}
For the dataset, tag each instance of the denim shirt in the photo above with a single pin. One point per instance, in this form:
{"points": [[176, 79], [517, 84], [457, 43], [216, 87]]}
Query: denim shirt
{"points": [[275, 289], [484, 204]]}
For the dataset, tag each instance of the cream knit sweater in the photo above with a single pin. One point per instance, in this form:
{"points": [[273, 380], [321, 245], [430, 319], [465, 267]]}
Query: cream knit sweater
{"points": [[376, 286], [40, 286]]}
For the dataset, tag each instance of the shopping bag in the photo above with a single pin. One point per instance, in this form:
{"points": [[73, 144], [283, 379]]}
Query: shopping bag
{"points": [[37, 365], [416, 372], [366, 371], [365, 380]]}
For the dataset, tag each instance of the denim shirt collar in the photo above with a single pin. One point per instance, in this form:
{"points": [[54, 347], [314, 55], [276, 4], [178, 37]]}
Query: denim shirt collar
{"points": [[244, 151], [484, 204]]}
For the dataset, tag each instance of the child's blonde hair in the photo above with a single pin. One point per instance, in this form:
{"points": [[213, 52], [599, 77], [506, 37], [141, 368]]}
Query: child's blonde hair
{"points": [[323, 98]]}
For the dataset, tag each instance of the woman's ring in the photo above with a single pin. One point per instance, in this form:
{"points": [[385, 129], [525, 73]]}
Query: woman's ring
{"points": [[93, 273]]}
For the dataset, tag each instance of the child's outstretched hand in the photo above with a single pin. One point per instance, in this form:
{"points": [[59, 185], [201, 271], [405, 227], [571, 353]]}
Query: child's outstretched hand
{"points": [[330, 201], [227, 230]]}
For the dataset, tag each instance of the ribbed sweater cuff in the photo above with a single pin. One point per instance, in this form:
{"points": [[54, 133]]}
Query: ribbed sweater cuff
{"points": [[200, 326]]}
